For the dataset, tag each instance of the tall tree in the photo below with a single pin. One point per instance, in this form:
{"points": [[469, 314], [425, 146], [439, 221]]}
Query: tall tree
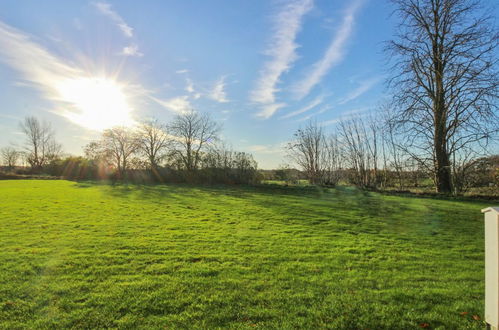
{"points": [[119, 144], [153, 142], [308, 150], [445, 79], [192, 132], [40, 144]]}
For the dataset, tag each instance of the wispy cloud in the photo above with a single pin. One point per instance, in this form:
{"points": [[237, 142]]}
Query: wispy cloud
{"points": [[268, 110], [182, 71], [333, 55], [218, 92], [180, 104], [36, 64], [282, 50], [269, 149], [315, 102], [72, 90], [321, 110], [105, 9], [363, 87], [189, 86], [132, 50], [348, 114]]}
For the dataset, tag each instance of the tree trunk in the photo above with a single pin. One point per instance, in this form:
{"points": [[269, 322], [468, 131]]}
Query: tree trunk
{"points": [[442, 162]]}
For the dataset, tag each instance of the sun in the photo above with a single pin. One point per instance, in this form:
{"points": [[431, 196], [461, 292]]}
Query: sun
{"points": [[97, 103]]}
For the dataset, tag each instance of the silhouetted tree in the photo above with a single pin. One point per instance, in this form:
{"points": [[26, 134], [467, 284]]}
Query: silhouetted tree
{"points": [[10, 156], [119, 143], [192, 133], [40, 145], [153, 143]]}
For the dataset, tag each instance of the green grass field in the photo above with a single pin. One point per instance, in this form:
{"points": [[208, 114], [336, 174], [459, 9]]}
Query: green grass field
{"points": [[84, 255]]}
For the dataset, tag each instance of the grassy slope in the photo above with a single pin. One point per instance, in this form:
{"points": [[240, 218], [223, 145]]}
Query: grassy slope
{"points": [[93, 256]]}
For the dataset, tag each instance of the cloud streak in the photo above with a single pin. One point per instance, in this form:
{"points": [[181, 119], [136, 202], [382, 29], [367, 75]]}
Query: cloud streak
{"points": [[363, 87], [317, 101], [333, 55], [282, 50], [180, 104], [37, 66], [105, 9], [218, 92], [268, 110]]}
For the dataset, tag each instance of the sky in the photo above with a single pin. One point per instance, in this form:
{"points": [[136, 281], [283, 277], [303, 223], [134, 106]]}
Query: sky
{"points": [[262, 68]]}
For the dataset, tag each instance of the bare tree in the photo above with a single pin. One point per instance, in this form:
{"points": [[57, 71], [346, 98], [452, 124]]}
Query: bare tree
{"points": [[40, 145], [10, 156], [119, 144], [446, 79], [153, 142], [192, 132], [308, 151], [333, 160], [357, 150]]}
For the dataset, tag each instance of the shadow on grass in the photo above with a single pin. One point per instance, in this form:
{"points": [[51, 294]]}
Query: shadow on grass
{"points": [[124, 189]]}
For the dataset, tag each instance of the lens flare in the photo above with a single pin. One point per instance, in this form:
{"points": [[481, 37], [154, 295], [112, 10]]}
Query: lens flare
{"points": [[97, 103]]}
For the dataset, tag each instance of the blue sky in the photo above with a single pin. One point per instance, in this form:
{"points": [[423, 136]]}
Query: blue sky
{"points": [[262, 68]]}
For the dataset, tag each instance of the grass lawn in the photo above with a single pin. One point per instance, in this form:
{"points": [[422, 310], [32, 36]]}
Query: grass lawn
{"points": [[95, 256]]}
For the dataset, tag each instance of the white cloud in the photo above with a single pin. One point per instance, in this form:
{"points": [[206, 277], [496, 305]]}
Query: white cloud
{"points": [[35, 63], [334, 53], [269, 109], [363, 87], [132, 50], [180, 104], [63, 82], [190, 86], [270, 149], [282, 50], [315, 102], [218, 92], [105, 9], [182, 71]]}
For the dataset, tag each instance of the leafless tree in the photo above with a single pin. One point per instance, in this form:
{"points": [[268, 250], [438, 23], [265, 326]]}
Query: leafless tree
{"points": [[10, 156], [222, 164], [445, 79], [308, 151], [360, 150], [192, 133], [153, 143], [333, 160], [40, 145], [119, 144]]}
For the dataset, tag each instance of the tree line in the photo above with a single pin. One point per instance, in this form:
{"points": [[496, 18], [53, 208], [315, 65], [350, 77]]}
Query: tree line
{"points": [[442, 117], [369, 152], [188, 149]]}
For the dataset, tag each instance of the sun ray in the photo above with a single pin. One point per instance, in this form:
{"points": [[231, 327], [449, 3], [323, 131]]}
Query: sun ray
{"points": [[97, 102]]}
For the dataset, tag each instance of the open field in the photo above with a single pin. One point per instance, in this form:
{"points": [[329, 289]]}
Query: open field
{"points": [[93, 256]]}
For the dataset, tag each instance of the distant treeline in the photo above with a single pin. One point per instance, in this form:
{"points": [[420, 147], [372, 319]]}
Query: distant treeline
{"points": [[186, 150]]}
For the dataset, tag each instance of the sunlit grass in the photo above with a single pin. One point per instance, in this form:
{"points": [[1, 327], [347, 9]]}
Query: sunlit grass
{"points": [[95, 256]]}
